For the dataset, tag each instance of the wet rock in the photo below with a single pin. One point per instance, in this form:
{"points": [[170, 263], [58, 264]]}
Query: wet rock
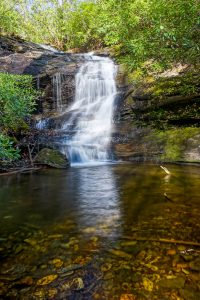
{"points": [[52, 293], [181, 248], [27, 280], [47, 279], [172, 283], [89, 230], [31, 242], [70, 268], [75, 284], [128, 243], [3, 288], [39, 294], [106, 267], [136, 277], [12, 294], [57, 262], [148, 284], [127, 297], [120, 253], [52, 158], [55, 236], [151, 267], [187, 257], [18, 249], [108, 276], [171, 252], [190, 294], [195, 265]]}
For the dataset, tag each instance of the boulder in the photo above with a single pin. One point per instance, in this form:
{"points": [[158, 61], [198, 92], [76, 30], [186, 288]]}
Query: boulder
{"points": [[52, 158]]}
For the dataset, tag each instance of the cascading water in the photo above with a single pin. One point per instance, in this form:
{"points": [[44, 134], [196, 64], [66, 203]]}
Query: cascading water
{"points": [[57, 91], [91, 112]]}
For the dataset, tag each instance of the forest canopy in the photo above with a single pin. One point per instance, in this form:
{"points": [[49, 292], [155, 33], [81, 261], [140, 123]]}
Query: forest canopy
{"points": [[136, 30]]}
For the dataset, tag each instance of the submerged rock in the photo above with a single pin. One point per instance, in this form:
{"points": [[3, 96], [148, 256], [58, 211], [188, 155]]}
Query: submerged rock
{"points": [[148, 284], [195, 265], [52, 158], [172, 283], [190, 294], [120, 253], [75, 284], [47, 279]]}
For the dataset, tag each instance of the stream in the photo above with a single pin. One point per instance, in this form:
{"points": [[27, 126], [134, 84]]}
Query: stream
{"points": [[93, 232]]}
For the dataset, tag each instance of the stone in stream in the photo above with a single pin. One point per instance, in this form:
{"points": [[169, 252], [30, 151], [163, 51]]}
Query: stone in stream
{"points": [[148, 284], [31, 242], [195, 265], [127, 297], [28, 280], [57, 262], [70, 268], [75, 284], [190, 294], [52, 158], [52, 293], [47, 279], [120, 253], [172, 283], [106, 267]]}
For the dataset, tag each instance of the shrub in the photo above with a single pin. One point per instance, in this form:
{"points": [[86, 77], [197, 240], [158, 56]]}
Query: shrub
{"points": [[17, 101], [7, 151]]}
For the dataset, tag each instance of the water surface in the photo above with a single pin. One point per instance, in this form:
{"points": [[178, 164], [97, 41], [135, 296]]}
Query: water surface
{"points": [[80, 230]]}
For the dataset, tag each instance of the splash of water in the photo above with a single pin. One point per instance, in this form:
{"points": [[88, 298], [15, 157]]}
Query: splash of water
{"points": [[91, 112]]}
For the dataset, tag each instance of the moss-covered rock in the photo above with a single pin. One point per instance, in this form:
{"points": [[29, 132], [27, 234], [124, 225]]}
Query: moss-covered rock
{"points": [[178, 144], [160, 117], [52, 158], [162, 99]]}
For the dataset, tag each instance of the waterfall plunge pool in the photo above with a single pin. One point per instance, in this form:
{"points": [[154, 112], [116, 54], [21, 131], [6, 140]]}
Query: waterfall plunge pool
{"points": [[93, 233]]}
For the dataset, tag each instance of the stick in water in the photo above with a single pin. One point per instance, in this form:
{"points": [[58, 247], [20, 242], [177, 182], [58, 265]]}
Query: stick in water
{"points": [[166, 170]]}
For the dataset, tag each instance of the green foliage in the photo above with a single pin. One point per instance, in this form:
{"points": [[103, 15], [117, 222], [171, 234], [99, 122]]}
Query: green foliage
{"points": [[174, 141], [9, 17], [16, 100], [7, 150], [138, 31], [165, 31]]}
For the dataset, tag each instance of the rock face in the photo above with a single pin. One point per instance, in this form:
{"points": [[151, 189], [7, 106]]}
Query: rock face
{"points": [[159, 118], [52, 158], [49, 68]]}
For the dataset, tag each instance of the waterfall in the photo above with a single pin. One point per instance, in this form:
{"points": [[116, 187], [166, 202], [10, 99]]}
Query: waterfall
{"points": [[57, 91], [91, 113]]}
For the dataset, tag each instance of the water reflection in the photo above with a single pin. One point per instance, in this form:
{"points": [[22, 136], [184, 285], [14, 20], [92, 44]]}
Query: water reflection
{"points": [[86, 196], [98, 197], [101, 196]]}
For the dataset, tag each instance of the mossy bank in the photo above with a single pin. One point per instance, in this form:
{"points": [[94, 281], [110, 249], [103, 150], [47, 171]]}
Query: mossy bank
{"points": [[160, 116]]}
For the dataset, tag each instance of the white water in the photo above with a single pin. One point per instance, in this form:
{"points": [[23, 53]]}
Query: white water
{"points": [[50, 48], [91, 113], [57, 91]]}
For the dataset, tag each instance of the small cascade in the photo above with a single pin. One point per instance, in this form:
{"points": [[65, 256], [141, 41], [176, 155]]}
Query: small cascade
{"points": [[90, 116], [42, 124], [38, 82], [57, 91]]}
